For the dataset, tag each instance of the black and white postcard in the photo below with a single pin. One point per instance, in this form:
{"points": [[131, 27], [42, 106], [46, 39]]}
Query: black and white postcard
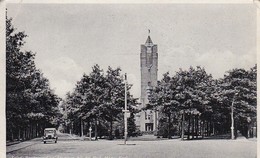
{"points": [[148, 79]]}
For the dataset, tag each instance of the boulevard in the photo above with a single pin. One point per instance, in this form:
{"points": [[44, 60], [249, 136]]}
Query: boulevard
{"points": [[66, 148]]}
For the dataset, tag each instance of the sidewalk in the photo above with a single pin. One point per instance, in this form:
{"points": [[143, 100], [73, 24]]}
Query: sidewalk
{"points": [[20, 145]]}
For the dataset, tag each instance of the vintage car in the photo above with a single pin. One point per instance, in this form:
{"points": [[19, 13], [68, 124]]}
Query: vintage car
{"points": [[50, 135]]}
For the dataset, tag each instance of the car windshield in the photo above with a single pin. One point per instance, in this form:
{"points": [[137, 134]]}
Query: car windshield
{"points": [[49, 131]]}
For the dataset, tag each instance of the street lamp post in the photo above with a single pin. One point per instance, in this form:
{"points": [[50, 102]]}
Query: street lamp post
{"points": [[232, 118], [125, 111]]}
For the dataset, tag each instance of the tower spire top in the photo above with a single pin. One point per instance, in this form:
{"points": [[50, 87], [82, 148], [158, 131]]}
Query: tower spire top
{"points": [[149, 40]]}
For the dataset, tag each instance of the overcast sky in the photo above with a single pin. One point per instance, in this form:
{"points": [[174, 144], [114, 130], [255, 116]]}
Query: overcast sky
{"points": [[70, 39]]}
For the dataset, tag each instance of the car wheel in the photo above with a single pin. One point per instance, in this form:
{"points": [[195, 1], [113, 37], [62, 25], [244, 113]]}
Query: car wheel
{"points": [[44, 142]]}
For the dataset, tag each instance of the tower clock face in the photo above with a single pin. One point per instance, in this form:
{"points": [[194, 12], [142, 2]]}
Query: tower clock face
{"points": [[149, 49]]}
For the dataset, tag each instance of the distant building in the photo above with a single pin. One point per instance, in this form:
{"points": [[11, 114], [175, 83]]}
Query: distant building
{"points": [[147, 120]]}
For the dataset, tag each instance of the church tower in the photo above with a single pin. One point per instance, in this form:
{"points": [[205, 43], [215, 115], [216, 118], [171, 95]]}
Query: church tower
{"points": [[149, 69]]}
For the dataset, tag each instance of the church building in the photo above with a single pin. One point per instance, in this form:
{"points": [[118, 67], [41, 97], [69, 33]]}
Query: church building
{"points": [[147, 120]]}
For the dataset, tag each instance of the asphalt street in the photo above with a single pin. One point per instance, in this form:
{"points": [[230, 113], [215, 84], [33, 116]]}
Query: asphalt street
{"points": [[74, 148]]}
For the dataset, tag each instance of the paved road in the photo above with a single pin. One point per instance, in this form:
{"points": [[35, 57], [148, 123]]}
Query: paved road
{"points": [[138, 149]]}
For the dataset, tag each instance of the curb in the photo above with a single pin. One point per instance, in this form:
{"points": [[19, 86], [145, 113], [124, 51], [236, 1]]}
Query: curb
{"points": [[23, 145], [19, 148], [13, 143]]}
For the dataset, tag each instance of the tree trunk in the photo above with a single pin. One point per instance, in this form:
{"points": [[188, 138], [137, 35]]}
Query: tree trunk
{"points": [[169, 126], [235, 130], [95, 129], [33, 129], [98, 126], [193, 125], [37, 130], [111, 128], [197, 126], [23, 134], [155, 123], [179, 128], [189, 127], [248, 132], [12, 135], [27, 133], [203, 128], [72, 128], [19, 134], [200, 128], [208, 128], [30, 131], [182, 126], [81, 123]]}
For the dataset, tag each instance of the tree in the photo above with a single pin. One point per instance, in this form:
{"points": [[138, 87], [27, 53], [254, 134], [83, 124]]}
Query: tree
{"points": [[131, 125], [163, 97], [186, 93], [194, 90], [30, 103], [239, 89], [99, 99]]}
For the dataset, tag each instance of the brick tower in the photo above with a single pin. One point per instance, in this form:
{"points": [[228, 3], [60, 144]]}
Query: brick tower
{"points": [[147, 120]]}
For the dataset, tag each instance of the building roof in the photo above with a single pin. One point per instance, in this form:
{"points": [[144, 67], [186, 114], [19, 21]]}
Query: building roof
{"points": [[149, 41]]}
